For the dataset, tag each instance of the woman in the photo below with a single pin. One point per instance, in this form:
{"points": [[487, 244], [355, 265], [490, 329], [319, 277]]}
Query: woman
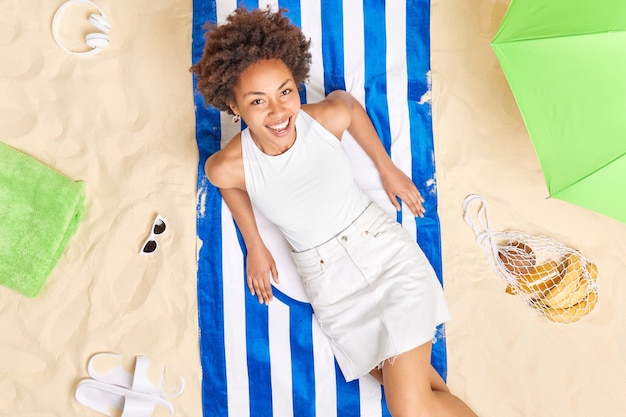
{"points": [[371, 287]]}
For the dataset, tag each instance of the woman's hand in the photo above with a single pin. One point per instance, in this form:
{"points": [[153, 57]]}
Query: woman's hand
{"points": [[398, 184], [260, 266]]}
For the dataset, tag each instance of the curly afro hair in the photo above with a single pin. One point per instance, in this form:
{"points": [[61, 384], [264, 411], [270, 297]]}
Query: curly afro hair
{"points": [[246, 38]]}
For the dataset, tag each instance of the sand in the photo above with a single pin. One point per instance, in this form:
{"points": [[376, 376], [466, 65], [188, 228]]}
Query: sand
{"points": [[124, 123], [504, 359]]}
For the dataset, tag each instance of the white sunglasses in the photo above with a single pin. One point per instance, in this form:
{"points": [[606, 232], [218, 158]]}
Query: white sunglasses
{"points": [[158, 228]]}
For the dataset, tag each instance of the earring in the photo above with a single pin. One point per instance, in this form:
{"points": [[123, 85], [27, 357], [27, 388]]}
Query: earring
{"points": [[236, 118]]}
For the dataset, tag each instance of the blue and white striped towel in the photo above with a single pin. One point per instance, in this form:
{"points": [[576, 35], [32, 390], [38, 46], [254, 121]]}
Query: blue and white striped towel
{"points": [[275, 361]]}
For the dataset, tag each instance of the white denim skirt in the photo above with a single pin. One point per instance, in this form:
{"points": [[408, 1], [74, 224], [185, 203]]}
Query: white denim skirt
{"points": [[373, 292]]}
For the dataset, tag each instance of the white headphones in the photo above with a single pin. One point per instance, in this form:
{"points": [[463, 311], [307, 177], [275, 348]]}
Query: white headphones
{"points": [[96, 41]]}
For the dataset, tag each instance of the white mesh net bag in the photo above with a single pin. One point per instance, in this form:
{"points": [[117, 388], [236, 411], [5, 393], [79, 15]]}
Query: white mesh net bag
{"points": [[555, 280]]}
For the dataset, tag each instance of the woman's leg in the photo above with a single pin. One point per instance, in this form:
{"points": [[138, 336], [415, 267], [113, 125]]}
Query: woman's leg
{"points": [[413, 387], [377, 374], [436, 382]]}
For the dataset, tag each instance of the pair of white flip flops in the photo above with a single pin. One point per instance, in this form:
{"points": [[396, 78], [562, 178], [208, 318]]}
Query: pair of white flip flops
{"points": [[112, 388]]}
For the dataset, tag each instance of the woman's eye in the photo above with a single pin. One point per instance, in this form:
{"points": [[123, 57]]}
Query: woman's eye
{"points": [[257, 101], [285, 92]]}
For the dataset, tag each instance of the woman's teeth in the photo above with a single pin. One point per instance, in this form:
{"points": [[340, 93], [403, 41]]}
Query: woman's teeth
{"points": [[280, 126]]}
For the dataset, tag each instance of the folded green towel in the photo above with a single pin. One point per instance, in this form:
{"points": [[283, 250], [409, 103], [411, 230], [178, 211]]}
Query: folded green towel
{"points": [[40, 210]]}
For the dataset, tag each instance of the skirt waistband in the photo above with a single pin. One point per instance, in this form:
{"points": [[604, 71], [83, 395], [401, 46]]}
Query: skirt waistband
{"points": [[361, 225]]}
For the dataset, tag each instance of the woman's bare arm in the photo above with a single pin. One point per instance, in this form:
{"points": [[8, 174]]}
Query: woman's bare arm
{"points": [[225, 170], [260, 263]]}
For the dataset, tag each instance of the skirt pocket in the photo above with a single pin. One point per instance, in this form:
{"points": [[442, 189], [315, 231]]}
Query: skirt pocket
{"points": [[380, 225], [327, 281], [309, 269]]}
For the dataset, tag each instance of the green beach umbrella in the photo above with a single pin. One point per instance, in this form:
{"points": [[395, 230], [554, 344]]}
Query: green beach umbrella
{"points": [[565, 61]]}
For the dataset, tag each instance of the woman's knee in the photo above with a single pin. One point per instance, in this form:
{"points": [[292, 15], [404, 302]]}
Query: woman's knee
{"points": [[409, 382]]}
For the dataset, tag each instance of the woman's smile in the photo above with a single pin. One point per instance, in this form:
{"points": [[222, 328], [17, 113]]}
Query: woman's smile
{"points": [[281, 127]]}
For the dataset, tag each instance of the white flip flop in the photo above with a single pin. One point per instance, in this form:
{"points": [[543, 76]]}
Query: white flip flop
{"points": [[138, 381], [111, 387], [106, 398]]}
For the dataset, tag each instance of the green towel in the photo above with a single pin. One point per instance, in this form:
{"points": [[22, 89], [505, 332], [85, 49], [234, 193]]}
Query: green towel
{"points": [[40, 210]]}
